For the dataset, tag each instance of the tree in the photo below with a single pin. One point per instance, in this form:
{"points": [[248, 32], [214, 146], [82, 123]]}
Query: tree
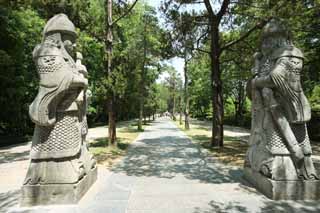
{"points": [[151, 56], [172, 81], [214, 19], [20, 33], [109, 24], [183, 36]]}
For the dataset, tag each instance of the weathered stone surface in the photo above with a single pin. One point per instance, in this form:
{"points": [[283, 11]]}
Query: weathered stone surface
{"points": [[57, 193], [280, 147], [61, 168], [283, 190]]}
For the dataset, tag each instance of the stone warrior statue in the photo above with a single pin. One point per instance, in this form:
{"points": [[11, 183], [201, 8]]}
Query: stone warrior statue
{"points": [[279, 142], [59, 155]]}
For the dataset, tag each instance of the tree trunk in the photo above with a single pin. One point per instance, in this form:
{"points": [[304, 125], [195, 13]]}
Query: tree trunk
{"points": [[239, 104], [144, 119], [180, 110], [142, 83], [140, 114], [174, 103], [112, 123], [216, 85], [186, 94], [111, 96]]}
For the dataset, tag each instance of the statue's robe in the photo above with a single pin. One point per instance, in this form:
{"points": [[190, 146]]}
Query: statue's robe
{"points": [[269, 149], [57, 146]]}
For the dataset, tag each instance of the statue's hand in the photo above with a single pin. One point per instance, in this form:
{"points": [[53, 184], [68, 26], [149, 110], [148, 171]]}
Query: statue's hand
{"points": [[297, 153], [80, 81], [82, 69]]}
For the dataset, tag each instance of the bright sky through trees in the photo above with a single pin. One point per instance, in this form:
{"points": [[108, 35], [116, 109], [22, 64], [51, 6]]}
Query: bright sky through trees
{"points": [[176, 62]]}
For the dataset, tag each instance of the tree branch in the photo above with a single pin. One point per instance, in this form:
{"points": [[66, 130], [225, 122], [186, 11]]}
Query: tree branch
{"points": [[259, 25], [223, 8], [126, 13], [200, 50], [201, 37], [209, 8]]}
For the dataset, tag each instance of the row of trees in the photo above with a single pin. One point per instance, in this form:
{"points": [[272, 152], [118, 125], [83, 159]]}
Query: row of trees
{"points": [[217, 40], [122, 44]]}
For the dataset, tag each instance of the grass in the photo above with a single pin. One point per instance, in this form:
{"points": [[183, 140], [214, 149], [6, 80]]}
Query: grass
{"points": [[107, 155], [234, 150]]}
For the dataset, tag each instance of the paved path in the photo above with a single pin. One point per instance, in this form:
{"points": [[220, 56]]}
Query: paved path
{"points": [[164, 172]]}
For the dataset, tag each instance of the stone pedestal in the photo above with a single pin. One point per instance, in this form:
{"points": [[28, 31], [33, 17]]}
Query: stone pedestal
{"points": [[283, 190], [57, 194]]}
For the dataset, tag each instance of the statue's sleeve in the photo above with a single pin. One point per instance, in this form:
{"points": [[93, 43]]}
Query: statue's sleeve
{"points": [[280, 75], [263, 81]]}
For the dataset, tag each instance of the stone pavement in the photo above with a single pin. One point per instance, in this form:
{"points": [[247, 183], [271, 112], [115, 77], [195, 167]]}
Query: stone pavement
{"points": [[164, 172]]}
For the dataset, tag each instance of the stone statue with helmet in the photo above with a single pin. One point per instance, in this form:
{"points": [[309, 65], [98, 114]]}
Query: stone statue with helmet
{"points": [[61, 168], [278, 161]]}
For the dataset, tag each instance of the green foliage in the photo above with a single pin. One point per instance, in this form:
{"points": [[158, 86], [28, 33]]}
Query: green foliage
{"points": [[140, 44], [315, 99], [236, 62], [162, 97], [199, 86], [20, 32]]}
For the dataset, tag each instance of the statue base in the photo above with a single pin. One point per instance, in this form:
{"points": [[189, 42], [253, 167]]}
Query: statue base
{"points": [[283, 190], [54, 194]]}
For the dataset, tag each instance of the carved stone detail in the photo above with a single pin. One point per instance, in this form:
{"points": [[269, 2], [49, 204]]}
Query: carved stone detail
{"points": [[61, 167], [280, 148]]}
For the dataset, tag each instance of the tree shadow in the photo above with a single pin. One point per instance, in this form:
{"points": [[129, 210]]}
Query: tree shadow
{"points": [[291, 206], [169, 156], [219, 207], [8, 157], [268, 206]]}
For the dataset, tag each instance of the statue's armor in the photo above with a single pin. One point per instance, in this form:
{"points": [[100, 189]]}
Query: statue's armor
{"points": [[290, 98], [288, 90], [61, 167], [54, 110]]}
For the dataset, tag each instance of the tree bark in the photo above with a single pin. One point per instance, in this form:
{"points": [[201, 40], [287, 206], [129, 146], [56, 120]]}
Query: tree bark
{"points": [[140, 114], [216, 85], [142, 83], [239, 103], [180, 110], [144, 119], [186, 94], [174, 101], [108, 64]]}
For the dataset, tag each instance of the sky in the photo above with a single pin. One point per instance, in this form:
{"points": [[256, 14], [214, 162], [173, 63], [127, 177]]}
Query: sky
{"points": [[176, 62]]}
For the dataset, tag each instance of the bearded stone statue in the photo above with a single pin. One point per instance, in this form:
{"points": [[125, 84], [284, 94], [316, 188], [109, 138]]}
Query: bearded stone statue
{"points": [[61, 168], [280, 149]]}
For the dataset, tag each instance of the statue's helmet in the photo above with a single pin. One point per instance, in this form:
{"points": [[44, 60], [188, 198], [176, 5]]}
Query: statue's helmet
{"points": [[275, 28], [60, 23]]}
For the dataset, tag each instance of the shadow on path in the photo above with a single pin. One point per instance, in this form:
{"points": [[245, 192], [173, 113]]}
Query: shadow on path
{"points": [[167, 153], [8, 157]]}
